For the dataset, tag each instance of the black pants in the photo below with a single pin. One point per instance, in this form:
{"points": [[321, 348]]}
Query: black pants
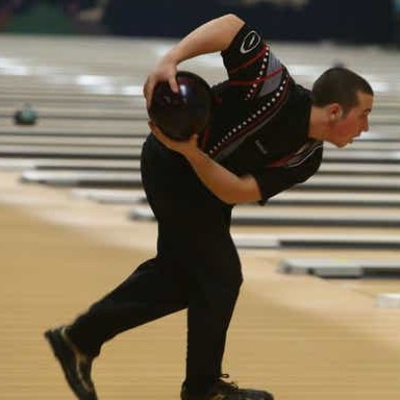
{"points": [[197, 267]]}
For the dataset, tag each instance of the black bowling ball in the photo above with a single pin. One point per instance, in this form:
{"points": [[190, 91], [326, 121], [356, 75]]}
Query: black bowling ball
{"points": [[180, 115]]}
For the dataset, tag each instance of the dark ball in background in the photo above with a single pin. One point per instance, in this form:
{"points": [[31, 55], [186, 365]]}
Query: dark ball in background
{"points": [[180, 115], [25, 116]]}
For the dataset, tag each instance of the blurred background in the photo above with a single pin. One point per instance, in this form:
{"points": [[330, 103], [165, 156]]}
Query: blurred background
{"points": [[354, 21], [319, 314]]}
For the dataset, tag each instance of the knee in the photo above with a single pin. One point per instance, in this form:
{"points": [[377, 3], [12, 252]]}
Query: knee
{"points": [[227, 281]]}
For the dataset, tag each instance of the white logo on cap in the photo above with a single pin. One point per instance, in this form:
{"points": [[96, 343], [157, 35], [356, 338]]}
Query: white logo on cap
{"points": [[250, 42]]}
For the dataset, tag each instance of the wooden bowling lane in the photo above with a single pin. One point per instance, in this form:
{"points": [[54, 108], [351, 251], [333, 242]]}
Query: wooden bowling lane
{"points": [[301, 337]]}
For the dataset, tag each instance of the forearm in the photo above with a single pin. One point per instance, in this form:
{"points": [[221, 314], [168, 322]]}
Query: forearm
{"points": [[227, 186], [214, 36]]}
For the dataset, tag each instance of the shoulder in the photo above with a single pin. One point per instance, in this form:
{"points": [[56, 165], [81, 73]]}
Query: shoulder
{"points": [[247, 45], [246, 40]]}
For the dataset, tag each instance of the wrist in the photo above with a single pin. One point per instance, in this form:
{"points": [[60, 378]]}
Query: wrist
{"points": [[194, 154], [172, 57]]}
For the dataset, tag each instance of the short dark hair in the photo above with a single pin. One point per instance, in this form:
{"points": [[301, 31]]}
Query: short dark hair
{"points": [[339, 85]]}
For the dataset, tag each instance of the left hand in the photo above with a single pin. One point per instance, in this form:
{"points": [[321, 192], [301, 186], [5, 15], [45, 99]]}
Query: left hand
{"points": [[165, 72], [184, 148]]}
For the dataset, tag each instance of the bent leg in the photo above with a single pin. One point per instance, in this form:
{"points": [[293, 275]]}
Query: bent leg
{"points": [[150, 292]]}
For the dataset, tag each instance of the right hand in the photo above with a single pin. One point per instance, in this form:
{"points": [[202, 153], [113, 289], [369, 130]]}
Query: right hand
{"points": [[183, 147], [164, 72]]}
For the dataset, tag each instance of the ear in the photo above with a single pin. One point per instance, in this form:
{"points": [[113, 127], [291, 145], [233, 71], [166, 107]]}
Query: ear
{"points": [[334, 112]]}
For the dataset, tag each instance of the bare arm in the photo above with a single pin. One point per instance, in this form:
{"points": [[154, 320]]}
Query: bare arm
{"points": [[213, 36], [227, 186]]}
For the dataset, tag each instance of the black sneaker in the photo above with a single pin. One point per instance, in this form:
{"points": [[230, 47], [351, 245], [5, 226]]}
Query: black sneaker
{"points": [[76, 365], [228, 391]]}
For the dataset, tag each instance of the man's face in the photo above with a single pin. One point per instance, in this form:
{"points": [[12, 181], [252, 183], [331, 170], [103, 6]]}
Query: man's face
{"points": [[354, 123]]}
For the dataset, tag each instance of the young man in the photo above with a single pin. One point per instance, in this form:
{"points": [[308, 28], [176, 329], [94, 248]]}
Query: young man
{"points": [[266, 134]]}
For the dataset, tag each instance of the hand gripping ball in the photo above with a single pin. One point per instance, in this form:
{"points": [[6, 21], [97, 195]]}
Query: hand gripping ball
{"points": [[180, 115]]}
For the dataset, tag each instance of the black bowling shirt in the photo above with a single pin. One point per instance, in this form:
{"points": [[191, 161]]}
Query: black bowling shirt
{"points": [[261, 118]]}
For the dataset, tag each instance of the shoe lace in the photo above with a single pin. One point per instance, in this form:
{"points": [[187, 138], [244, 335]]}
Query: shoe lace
{"points": [[231, 391], [231, 386]]}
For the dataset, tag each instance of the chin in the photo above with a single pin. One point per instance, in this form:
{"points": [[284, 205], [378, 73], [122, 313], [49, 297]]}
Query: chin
{"points": [[336, 143]]}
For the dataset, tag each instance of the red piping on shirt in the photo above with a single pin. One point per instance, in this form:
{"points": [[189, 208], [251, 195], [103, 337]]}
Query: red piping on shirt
{"points": [[204, 139], [251, 61], [258, 80], [282, 161]]}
